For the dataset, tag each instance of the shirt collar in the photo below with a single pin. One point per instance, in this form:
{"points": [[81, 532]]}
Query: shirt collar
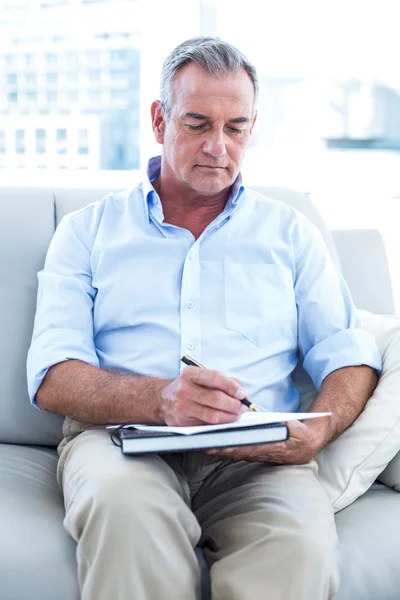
{"points": [[150, 196]]}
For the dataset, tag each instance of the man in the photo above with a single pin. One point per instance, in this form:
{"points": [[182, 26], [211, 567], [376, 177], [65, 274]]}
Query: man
{"points": [[192, 262]]}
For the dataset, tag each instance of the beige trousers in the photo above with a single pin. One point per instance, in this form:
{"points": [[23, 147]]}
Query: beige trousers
{"points": [[268, 531]]}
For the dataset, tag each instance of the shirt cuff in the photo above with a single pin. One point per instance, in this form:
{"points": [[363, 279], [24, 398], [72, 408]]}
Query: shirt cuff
{"points": [[348, 348], [55, 346]]}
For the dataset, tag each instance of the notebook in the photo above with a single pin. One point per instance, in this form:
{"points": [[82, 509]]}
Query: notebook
{"points": [[141, 441]]}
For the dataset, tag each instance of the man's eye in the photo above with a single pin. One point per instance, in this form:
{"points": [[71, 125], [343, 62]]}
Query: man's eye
{"points": [[236, 130], [196, 127]]}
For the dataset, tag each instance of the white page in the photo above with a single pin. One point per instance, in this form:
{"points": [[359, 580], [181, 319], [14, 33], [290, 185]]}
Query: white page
{"points": [[248, 419]]}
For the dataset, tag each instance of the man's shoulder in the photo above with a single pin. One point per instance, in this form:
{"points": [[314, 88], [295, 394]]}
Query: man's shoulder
{"points": [[113, 202]]}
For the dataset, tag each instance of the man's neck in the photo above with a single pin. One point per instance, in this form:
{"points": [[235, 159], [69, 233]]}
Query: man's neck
{"points": [[187, 209]]}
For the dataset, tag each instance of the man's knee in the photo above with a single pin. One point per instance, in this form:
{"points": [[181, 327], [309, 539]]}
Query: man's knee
{"points": [[142, 495], [313, 553], [136, 490]]}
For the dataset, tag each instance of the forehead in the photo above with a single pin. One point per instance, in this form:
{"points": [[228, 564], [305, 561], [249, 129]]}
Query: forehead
{"points": [[195, 90]]}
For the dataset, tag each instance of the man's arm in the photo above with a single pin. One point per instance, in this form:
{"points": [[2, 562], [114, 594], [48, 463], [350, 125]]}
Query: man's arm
{"points": [[64, 374], [344, 393], [92, 395]]}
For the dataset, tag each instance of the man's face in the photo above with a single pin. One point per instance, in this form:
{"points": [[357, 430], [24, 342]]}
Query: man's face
{"points": [[205, 137]]}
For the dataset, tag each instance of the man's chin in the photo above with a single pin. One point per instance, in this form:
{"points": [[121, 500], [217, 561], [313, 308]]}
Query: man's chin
{"points": [[211, 186]]}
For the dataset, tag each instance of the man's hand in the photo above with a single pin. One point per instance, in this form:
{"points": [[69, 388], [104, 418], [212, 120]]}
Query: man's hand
{"points": [[298, 449], [201, 396]]}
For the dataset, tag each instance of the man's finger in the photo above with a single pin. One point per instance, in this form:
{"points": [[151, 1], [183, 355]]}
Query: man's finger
{"points": [[217, 400], [215, 380]]}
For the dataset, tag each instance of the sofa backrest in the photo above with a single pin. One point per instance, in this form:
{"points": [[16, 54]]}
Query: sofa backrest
{"points": [[28, 217], [26, 228]]}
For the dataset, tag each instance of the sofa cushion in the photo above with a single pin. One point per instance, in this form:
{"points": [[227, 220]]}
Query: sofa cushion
{"points": [[37, 557], [391, 475], [26, 228], [369, 546], [349, 465]]}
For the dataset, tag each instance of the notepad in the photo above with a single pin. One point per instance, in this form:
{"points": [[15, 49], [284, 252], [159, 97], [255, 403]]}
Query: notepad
{"points": [[139, 441], [252, 428]]}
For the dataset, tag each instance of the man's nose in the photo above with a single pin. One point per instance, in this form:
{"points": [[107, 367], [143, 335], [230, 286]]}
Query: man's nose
{"points": [[215, 143]]}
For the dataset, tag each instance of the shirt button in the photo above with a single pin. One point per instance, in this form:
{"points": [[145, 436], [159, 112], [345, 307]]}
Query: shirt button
{"points": [[191, 256], [190, 304], [191, 346]]}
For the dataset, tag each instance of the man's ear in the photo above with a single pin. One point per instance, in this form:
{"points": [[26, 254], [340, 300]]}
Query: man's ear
{"points": [[158, 121]]}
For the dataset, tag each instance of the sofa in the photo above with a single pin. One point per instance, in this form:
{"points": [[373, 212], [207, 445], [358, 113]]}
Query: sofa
{"points": [[37, 557]]}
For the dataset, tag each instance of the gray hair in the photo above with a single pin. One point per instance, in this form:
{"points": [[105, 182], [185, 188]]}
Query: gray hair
{"points": [[212, 54]]}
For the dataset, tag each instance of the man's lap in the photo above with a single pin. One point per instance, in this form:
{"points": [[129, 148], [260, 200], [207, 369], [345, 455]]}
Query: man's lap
{"points": [[215, 490]]}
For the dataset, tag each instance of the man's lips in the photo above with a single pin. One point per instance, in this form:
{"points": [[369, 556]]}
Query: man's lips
{"points": [[210, 167]]}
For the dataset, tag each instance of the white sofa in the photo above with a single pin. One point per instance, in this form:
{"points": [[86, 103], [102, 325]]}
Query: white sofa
{"points": [[37, 557]]}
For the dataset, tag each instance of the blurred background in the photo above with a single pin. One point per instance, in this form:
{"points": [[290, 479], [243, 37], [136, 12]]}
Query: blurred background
{"points": [[78, 77]]}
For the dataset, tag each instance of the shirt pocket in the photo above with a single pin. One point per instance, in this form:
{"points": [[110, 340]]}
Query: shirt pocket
{"points": [[260, 303]]}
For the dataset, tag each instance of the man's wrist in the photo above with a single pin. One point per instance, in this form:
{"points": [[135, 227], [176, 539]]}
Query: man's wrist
{"points": [[142, 399], [159, 406], [320, 433]]}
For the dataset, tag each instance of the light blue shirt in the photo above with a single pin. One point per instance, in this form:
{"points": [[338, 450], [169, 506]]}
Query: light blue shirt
{"points": [[123, 290]]}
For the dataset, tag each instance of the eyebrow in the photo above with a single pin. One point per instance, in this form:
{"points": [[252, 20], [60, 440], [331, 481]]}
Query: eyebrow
{"points": [[200, 117]]}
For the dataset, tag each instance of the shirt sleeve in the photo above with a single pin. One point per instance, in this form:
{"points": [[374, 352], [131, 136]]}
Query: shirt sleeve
{"points": [[63, 327], [329, 328]]}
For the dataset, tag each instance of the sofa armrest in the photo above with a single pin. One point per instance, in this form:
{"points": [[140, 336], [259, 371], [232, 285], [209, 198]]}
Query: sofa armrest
{"points": [[365, 268]]}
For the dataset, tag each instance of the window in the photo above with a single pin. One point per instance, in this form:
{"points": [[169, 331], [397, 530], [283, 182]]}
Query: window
{"points": [[72, 77], [51, 59], [94, 76], [72, 96], [94, 58], [11, 60], [72, 59], [117, 75], [118, 55], [83, 138], [83, 134], [94, 96], [51, 77], [51, 96], [118, 95], [61, 135], [61, 141], [20, 141], [40, 141], [310, 108]]}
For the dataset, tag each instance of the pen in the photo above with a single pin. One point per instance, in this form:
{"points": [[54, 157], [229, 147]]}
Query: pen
{"points": [[193, 363]]}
